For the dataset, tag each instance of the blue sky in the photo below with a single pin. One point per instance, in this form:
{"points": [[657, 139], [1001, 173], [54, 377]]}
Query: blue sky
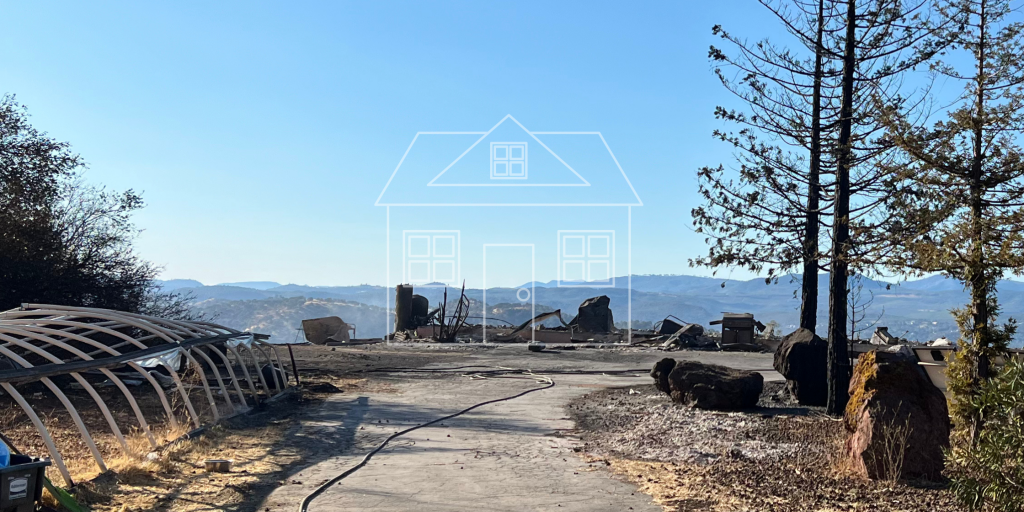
{"points": [[261, 133]]}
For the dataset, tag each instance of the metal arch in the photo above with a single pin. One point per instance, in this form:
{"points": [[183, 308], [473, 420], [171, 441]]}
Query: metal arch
{"points": [[216, 373], [184, 395], [273, 370], [259, 371], [47, 439], [248, 378], [227, 330], [39, 330], [84, 383], [280, 365], [122, 317], [231, 373], [206, 384], [67, 405], [145, 374], [162, 324], [101, 314]]}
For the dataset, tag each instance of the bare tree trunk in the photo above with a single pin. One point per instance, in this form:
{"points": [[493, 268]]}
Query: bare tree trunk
{"points": [[838, 356], [809, 298]]}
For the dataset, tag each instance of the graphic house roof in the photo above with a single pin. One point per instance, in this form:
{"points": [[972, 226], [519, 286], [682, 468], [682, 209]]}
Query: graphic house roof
{"points": [[508, 165]]}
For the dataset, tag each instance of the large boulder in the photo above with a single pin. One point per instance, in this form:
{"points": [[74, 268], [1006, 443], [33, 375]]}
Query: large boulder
{"points": [[898, 422], [595, 316], [802, 359], [660, 373], [709, 386]]}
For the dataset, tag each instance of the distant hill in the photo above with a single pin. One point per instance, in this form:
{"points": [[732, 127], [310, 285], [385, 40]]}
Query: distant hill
{"points": [[915, 309], [281, 317], [177, 284], [255, 285]]}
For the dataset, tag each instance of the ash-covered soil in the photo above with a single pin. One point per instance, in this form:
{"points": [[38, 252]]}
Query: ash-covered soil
{"points": [[777, 457], [643, 423]]}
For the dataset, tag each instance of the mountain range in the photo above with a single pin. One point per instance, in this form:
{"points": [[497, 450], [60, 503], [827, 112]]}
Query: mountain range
{"points": [[917, 310]]}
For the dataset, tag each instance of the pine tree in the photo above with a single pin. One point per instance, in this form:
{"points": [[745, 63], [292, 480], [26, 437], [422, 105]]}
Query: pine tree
{"points": [[882, 40], [767, 215], [961, 193]]}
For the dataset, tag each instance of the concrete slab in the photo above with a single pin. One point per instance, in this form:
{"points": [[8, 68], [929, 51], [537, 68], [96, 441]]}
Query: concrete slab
{"points": [[511, 456]]}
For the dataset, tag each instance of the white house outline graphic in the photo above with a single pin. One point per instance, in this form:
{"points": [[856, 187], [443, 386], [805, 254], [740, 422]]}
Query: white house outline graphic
{"points": [[627, 201]]}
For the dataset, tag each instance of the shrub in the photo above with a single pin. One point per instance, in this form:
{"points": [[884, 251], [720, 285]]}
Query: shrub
{"points": [[986, 457]]}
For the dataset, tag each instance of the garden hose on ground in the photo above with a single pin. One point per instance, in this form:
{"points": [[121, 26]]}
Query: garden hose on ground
{"points": [[489, 371], [304, 506]]}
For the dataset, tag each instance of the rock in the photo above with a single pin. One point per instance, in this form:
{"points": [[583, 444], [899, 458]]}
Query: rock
{"points": [[802, 359], [595, 316], [709, 386], [660, 373], [694, 330], [895, 409]]}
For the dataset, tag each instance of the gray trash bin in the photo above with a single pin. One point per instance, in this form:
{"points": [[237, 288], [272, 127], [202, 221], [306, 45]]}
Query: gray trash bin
{"points": [[21, 484]]}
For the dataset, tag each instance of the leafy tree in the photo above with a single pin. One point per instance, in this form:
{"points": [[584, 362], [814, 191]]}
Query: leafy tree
{"points": [[961, 191], [961, 187], [987, 465], [31, 169], [62, 241]]}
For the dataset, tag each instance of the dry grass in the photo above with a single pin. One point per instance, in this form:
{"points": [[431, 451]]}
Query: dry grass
{"points": [[175, 479], [894, 447], [140, 479]]}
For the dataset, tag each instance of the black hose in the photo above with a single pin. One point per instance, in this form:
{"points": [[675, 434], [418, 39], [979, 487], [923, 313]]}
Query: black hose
{"points": [[304, 506]]}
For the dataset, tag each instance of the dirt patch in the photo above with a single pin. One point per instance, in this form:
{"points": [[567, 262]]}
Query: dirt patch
{"points": [[175, 477], [777, 457]]}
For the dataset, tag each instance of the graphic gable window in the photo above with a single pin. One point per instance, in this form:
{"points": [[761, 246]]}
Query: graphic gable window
{"points": [[508, 160], [586, 258], [431, 258]]}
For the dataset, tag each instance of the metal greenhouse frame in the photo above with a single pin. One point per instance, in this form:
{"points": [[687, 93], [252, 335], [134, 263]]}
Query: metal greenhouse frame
{"points": [[40, 341]]}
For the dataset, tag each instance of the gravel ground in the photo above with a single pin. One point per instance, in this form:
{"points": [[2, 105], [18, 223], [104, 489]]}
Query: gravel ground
{"points": [[777, 457]]}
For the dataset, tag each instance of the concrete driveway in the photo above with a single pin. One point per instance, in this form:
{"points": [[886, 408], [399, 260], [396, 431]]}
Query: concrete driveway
{"points": [[510, 456]]}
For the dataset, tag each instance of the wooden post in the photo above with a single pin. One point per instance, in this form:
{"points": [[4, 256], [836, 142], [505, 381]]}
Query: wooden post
{"points": [[403, 307]]}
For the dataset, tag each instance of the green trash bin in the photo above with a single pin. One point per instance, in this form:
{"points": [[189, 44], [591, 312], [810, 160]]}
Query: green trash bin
{"points": [[21, 484]]}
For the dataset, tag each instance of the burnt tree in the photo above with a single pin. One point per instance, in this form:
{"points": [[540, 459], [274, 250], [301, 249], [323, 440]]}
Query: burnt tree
{"points": [[767, 215], [882, 40]]}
